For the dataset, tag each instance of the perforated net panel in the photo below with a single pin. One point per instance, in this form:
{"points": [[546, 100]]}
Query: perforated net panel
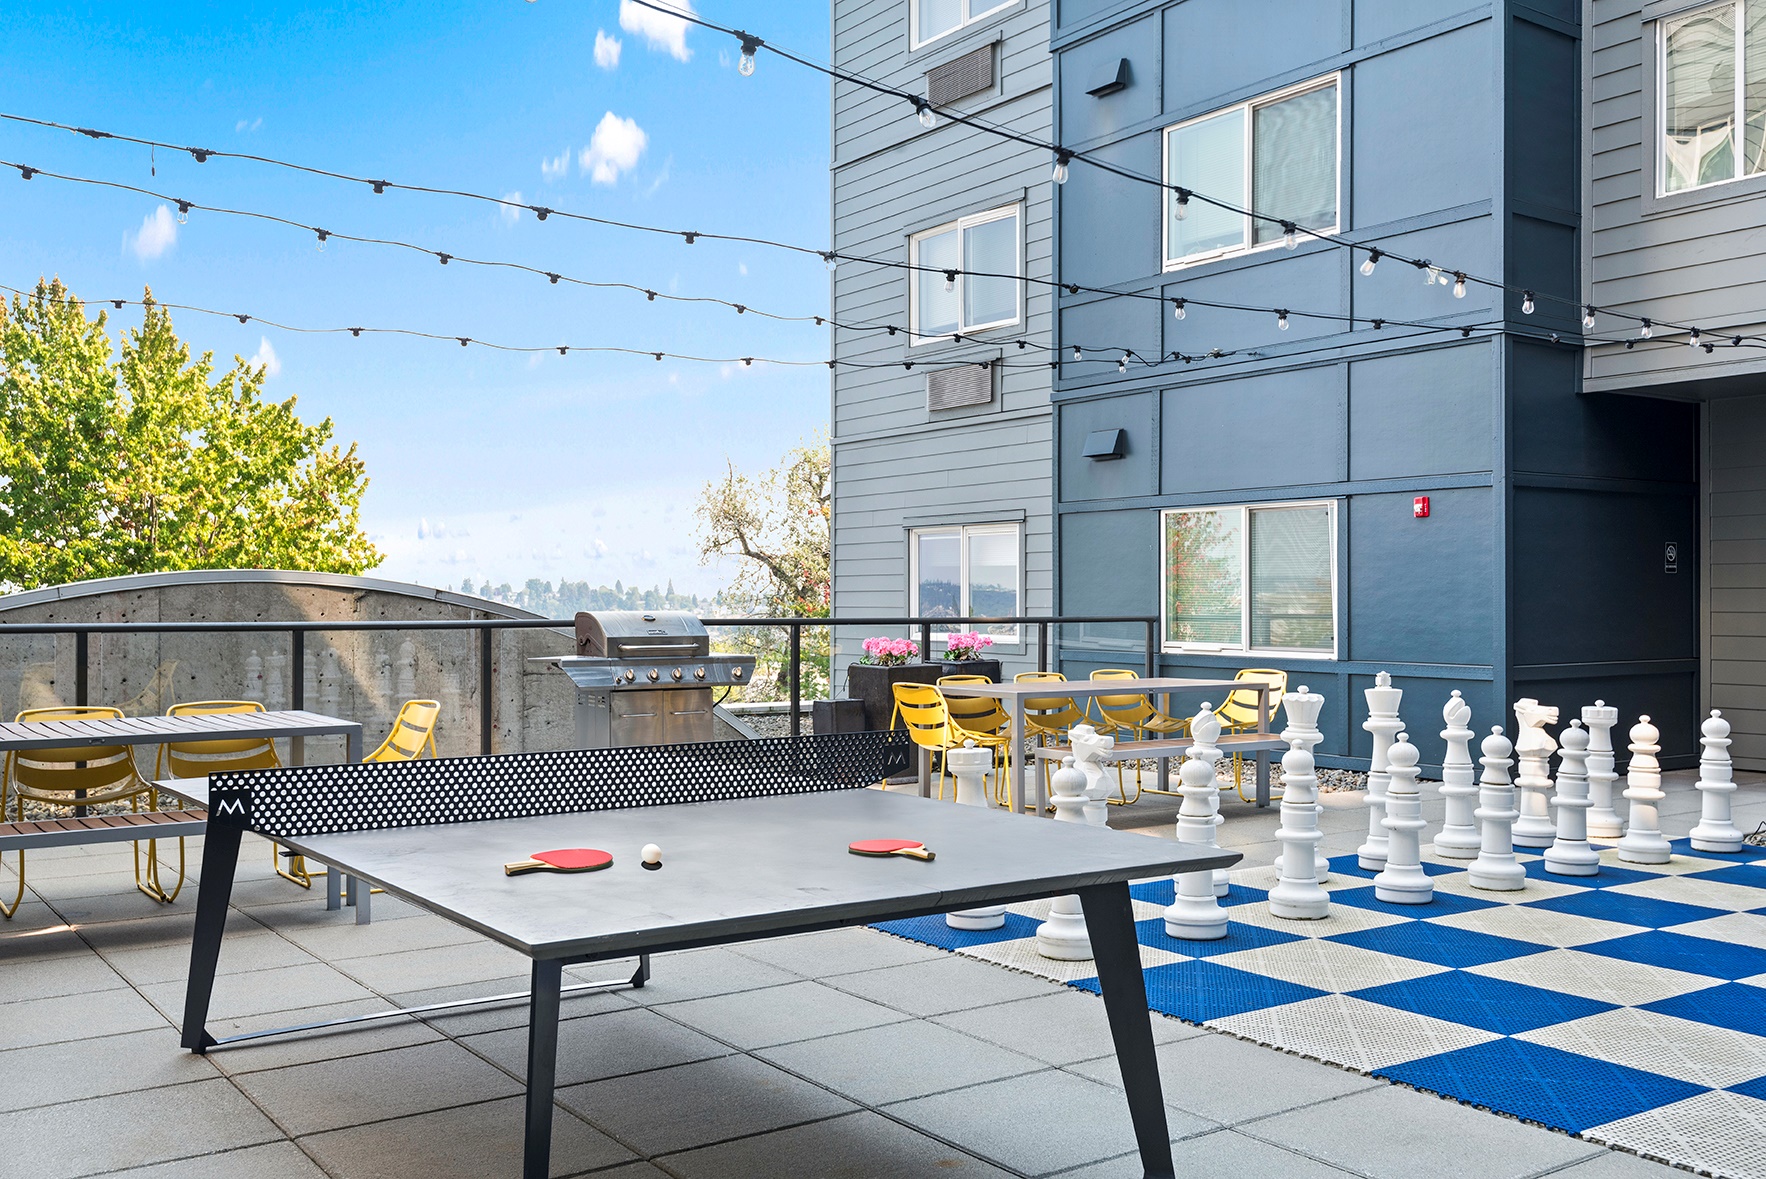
{"points": [[319, 800]]}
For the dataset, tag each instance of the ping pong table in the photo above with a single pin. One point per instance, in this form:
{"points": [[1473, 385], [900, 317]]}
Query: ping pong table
{"points": [[754, 838]]}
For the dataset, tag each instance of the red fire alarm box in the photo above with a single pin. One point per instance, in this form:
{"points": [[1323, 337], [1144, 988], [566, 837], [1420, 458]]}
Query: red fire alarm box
{"points": [[1419, 507]]}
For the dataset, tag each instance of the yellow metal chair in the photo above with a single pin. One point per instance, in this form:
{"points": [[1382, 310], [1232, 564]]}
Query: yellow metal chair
{"points": [[85, 775], [413, 731], [981, 717], [926, 716], [1238, 714], [1135, 716], [1049, 719], [198, 759]]}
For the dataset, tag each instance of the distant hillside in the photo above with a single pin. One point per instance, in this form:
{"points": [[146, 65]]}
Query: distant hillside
{"points": [[571, 596]]}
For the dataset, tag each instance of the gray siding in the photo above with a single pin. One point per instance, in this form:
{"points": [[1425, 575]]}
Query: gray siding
{"points": [[1735, 506]]}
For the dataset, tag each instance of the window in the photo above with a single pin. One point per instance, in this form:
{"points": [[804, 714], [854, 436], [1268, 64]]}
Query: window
{"points": [[1251, 579], [966, 571], [1712, 65], [934, 18], [1277, 155], [953, 295]]}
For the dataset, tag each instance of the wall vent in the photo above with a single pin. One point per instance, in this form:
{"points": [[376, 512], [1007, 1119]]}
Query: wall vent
{"points": [[969, 74], [953, 388]]}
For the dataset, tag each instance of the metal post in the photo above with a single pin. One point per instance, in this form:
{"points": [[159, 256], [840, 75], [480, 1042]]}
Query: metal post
{"points": [[796, 679], [926, 642], [1042, 646], [1152, 625], [82, 673], [297, 676], [485, 686]]}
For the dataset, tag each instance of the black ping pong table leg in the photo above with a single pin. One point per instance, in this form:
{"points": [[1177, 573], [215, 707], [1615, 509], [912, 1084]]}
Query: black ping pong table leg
{"points": [[220, 855], [1109, 921], [542, 1066]]}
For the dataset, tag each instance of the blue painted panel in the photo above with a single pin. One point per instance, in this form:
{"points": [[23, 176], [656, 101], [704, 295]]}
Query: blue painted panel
{"points": [[1114, 324], [1130, 475], [1109, 563], [1397, 290], [1422, 413], [1072, 12], [1375, 20], [1093, 62], [1421, 591], [1310, 278], [1544, 257], [1544, 110], [1212, 53], [1671, 701], [1109, 227], [1424, 126], [1557, 429], [1293, 422]]}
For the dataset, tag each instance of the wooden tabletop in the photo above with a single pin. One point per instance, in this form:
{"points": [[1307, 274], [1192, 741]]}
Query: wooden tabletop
{"points": [[1134, 687], [153, 730]]}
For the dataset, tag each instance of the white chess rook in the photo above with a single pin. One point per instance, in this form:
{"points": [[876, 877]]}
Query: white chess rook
{"points": [[1205, 731], [1496, 868], [1402, 881], [970, 766], [1603, 820], [1569, 854], [1458, 837], [1643, 843], [1382, 721], [1302, 709], [1089, 750], [1716, 831], [1533, 749], [1063, 936], [1297, 895], [1196, 914]]}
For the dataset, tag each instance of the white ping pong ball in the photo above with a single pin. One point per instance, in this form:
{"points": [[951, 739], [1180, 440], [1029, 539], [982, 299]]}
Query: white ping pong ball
{"points": [[651, 854]]}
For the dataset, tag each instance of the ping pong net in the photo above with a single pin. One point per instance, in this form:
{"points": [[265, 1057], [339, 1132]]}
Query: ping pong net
{"points": [[324, 799]]}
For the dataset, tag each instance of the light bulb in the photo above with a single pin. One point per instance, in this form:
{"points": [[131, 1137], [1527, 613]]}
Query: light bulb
{"points": [[1527, 303], [928, 119], [1693, 338], [1177, 309], [745, 67], [1290, 235], [1588, 318], [1430, 274], [1281, 320], [1060, 174], [1459, 286], [1373, 259], [1122, 365], [950, 281], [1183, 205], [1647, 330], [832, 260], [1077, 354]]}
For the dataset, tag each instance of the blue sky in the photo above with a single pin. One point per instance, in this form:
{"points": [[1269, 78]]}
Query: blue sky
{"points": [[482, 464]]}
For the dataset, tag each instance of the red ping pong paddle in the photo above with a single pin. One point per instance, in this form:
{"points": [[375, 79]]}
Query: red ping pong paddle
{"points": [[566, 859], [911, 848]]}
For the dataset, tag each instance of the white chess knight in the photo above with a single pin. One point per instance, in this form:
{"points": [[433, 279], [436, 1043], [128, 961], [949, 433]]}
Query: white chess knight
{"points": [[1298, 895], [1063, 936], [1089, 751], [1196, 914], [1603, 820], [1458, 838], [1302, 709], [1402, 881], [1204, 732], [1569, 854], [1533, 749], [970, 766], [1644, 843], [1382, 721], [1716, 830], [1496, 868]]}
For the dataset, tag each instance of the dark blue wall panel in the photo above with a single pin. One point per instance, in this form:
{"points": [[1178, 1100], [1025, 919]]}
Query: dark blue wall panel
{"points": [[1109, 562], [1262, 431], [1132, 474], [1671, 701], [1109, 228], [1212, 55], [1558, 430], [1309, 279], [1376, 20], [1095, 61], [1421, 591], [1544, 117], [1422, 413], [1111, 324], [1397, 290]]}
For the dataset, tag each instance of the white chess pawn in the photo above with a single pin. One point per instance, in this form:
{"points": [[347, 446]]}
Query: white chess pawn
{"points": [[1382, 721], [1496, 868], [970, 766], [1402, 881], [1603, 820], [1297, 895], [1204, 732], [1195, 915], [1302, 709], [1089, 750], [1458, 837], [1063, 936], [1533, 749], [1716, 832], [1643, 843], [1569, 854]]}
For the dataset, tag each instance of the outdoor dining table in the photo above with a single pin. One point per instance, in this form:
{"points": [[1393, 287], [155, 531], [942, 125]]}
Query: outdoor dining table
{"points": [[1013, 695]]}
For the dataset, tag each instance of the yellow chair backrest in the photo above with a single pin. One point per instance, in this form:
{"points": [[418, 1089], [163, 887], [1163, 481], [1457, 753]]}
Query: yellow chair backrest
{"points": [[1049, 712], [107, 766], [1240, 708], [923, 712], [197, 759], [974, 714], [413, 730], [1127, 710]]}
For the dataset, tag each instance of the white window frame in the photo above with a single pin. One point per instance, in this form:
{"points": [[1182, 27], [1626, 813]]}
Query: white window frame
{"points": [[962, 532], [960, 225], [1249, 107], [972, 12], [1244, 647], [1738, 125]]}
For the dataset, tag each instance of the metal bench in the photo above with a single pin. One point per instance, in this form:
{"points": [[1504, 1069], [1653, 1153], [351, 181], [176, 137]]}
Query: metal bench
{"points": [[26, 835], [1176, 747]]}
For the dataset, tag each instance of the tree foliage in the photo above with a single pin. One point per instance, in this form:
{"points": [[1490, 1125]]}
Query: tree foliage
{"points": [[139, 459]]}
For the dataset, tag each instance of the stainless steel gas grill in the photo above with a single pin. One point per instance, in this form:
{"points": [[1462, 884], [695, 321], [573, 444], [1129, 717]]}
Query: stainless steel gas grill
{"points": [[646, 679]]}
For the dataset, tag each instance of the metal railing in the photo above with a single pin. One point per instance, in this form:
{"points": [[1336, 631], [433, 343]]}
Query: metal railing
{"points": [[297, 630]]}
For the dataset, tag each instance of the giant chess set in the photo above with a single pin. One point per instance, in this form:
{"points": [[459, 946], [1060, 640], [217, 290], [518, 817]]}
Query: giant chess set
{"points": [[1540, 956]]}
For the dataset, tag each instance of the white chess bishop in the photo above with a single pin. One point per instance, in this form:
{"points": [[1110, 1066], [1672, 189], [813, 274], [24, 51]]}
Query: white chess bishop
{"points": [[1458, 838]]}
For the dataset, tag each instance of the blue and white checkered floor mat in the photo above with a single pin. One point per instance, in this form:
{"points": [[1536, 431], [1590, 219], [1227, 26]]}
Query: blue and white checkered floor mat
{"points": [[1628, 1008]]}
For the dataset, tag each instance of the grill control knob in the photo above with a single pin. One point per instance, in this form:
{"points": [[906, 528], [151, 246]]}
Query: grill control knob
{"points": [[630, 675], [653, 675], [698, 673], [735, 673], [676, 673]]}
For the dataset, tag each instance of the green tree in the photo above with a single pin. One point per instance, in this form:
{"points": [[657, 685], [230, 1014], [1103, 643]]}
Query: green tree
{"points": [[141, 460]]}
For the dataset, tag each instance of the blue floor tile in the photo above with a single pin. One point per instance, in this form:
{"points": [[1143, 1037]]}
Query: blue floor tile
{"points": [[1631, 910], [1200, 990], [1444, 945], [1607, 877], [1559, 1089], [1154, 892], [1493, 1004], [1239, 936], [1243, 894], [1748, 851], [1443, 904], [1349, 866], [1736, 1006], [1676, 951], [1746, 875], [1755, 1088], [932, 931]]}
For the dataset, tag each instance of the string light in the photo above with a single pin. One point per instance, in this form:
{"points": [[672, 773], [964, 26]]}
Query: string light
{"points": [[1281, 320], [1078, 353], [1373, 260], [1647, 330], [1459, 285], [928, 117], [950, 281], [1181, 211], [1177, 309], [750, 46], [1527, 304], [1062, 159], [1692, 338], [1588, 318], [1290, 234], [1122, 365]]}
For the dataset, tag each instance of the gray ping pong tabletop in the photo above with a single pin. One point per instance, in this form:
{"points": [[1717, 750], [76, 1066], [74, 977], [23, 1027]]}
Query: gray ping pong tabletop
{"points": [[735, 870]]}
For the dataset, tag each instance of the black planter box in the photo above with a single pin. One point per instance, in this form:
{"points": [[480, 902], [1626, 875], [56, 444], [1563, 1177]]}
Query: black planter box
{"points": [[871, 683]]}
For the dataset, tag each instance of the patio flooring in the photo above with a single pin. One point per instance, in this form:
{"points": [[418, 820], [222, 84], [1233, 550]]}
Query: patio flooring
{"points": [[850, 1053]]}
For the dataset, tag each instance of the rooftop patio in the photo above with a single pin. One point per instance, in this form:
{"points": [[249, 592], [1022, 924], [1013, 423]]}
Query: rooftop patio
{"points": [[852, 1053]]}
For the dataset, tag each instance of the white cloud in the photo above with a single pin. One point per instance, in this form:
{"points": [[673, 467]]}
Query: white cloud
{"points": [[742, 269], [614, 148], [158, 233], [607, 50], [266, 358], [510, 213], [249, 125], [659, 30], [661, 177], [557, 166]]}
